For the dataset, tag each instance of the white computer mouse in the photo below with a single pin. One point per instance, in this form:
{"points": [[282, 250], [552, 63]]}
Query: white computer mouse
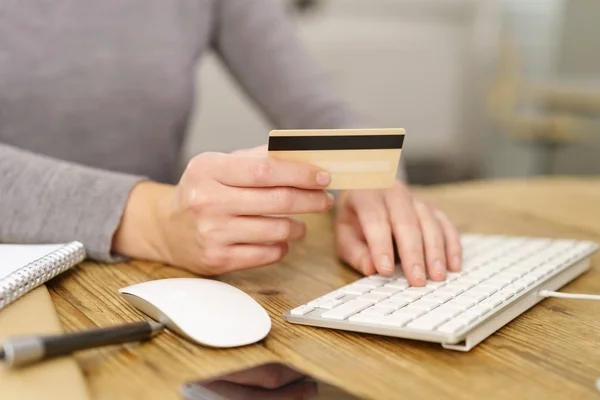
{"points": [[206, 311]]}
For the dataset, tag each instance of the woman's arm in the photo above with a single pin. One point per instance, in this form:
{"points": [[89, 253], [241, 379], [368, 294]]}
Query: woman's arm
{"points": [[47, 200]]}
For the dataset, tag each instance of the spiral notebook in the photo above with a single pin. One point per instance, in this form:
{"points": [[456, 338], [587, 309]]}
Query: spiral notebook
{"points": [[24, 267]]}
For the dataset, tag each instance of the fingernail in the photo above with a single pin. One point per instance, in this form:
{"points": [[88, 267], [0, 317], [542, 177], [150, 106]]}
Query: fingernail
{"points": [[418, 273], [386, 264], [323, 178], [439, 268]]}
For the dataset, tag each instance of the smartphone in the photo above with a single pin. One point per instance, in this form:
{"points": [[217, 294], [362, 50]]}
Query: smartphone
{"points": [[268, 381]]}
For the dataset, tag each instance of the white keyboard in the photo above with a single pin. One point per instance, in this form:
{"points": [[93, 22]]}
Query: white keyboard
{"points": [[501, 278]]}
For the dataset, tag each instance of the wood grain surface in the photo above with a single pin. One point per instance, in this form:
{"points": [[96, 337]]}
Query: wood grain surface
{"points": [[550, 352]]}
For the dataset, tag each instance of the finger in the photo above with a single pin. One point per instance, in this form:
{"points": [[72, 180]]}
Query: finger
{"points": [[261, 229], [434, 242], [407, 232], [243, 256], [374, 220], [275, 201], [266, 171], [452, 240], [353, 250]]}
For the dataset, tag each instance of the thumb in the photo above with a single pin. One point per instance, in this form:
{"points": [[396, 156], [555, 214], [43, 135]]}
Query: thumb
{"points": [[353, 250]]}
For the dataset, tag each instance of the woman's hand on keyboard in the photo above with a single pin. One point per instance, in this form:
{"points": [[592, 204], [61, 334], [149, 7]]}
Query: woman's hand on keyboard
{"points": [[368, 221], [223, 214]]}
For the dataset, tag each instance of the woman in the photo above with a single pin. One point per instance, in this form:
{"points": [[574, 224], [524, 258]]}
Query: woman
{"points": [[94, 100]]}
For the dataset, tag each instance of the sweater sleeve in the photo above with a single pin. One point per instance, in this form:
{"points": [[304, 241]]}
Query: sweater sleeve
{"points": [[44, 200], [259, 46]]}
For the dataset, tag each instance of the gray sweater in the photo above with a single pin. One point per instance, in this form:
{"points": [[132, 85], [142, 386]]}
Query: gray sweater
{"points": [[95, 95]]}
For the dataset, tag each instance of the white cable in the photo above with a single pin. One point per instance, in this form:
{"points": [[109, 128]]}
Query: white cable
{"points": [[547, 293]]}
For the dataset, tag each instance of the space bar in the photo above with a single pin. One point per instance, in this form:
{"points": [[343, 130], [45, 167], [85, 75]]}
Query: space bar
{"points": [[347, 309]]}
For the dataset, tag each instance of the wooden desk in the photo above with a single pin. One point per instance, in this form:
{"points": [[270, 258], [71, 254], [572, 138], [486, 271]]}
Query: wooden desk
{"points": [[552, 351]]}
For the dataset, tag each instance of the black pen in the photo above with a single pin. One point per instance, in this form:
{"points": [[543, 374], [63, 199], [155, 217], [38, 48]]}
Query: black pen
{"points": [[16, 352]]}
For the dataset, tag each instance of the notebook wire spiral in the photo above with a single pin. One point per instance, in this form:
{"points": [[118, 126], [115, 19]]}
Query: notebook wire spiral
{"points": [[40, 271]]}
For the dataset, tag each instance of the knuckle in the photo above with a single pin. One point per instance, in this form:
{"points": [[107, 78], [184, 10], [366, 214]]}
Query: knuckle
{"points": [[423, 208], [199, 163], [199, 200], [206, 230], [409, 226], [283, 198], [215, 257], [261, 170]]}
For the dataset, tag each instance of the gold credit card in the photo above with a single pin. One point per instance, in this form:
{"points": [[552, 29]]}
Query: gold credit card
{"points": [[356, 158]]}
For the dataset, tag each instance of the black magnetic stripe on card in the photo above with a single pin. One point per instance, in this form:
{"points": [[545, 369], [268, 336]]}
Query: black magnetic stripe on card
{"points": [[351, 142]]}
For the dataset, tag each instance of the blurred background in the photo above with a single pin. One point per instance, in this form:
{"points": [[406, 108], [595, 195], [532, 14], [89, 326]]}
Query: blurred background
{"points": [[484, 88]]}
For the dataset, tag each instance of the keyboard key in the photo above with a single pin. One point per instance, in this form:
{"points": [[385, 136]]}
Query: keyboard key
{"points": [[403, 296], [494, 300], [471, 315], [347, 309], [482, 274], [355, 289], [517, 286], [505, 294], [424, 323], [481, 308], [366, 318], [368, 282], [438, 297], [499, 283], [462, 304], [378, 310], [439, 314], [465, 318], [449, 291], [529, 280], [451, 326], [449, 310], [398, 319], [376, 297], [486, 288], [320, 301], [436, 284], [388, 291], [422, 290], [394, 304], [391, 320], [330, 304], [473, 294], [425, 304], [334, 295], [412, 311], [451, 276], [302, 310], [400, 283], [459, 284]]}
